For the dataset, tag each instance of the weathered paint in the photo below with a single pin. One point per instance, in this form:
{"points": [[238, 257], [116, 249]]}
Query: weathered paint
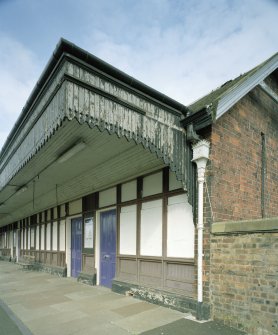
{"points": [[153, 126], [101, 103]]}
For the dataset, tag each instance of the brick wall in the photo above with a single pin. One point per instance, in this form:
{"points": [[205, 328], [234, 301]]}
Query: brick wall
{"points": [[244, 281], [233, 264], [243, 267], [234, 175]]}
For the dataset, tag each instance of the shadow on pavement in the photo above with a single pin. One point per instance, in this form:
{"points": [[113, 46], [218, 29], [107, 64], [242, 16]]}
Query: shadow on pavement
{"points": [[188, 327]]}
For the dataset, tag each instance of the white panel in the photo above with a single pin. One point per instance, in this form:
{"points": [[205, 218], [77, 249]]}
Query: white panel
{"points": [[62, 235], [180, 228], [42, 236], [55, 212], [63, 210], [38, 237], [152, 184], [107, 197], [25, 242], [129, 190], [22, 238], [11, 239], [151, 228], [32, 237], [29, 238], [15, 239], [75, 207], [54, 236], [174, 184], [48, 214], [128, 230], [48, 236], [68, 247]]}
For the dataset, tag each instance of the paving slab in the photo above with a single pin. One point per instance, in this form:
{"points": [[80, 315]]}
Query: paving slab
{"points": [[42, 304]]}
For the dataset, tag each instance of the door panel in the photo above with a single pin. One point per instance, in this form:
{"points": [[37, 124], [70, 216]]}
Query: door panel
{"points": [[107, 247], [76, 246]]}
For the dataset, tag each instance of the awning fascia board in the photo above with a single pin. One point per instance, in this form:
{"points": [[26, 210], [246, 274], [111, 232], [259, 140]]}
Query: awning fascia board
{"points": [[142, 120]]}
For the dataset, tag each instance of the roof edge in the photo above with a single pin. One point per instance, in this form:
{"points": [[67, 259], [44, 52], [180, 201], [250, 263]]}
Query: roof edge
{"points": [[239, 91], [66, 47]]}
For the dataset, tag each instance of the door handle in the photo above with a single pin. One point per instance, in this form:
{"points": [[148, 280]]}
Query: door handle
{"points": [[106, 256]]}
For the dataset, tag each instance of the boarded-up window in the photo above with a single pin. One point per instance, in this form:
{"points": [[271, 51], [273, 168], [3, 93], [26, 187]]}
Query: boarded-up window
{"points": [[22, 238], [38, 237], [129, 191], [62, 235], [15, 238], [75, 207], [151, 228], [152, 184], [42, 237], [180, 228], [107, 197], [63, 210], [55, 213], [32, 237], [128, 230], [48, 236], [54, 236], [11, 239], [26, 239], [173, 182]]}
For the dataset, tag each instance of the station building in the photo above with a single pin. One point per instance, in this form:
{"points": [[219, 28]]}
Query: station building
{"points": [[106, 180]]}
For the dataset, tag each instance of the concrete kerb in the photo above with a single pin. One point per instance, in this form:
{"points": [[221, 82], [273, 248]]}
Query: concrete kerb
{"points": [[13, 318]]}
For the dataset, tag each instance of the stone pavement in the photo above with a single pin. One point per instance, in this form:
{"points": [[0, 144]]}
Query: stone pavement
{"points": [[41, 304]]}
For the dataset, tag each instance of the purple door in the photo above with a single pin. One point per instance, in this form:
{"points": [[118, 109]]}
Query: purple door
{"points": [[107, 247], [76, 246]]}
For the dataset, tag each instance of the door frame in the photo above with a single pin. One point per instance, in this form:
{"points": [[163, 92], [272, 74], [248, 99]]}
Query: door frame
{"points": [[68, 241], [97, 250]]}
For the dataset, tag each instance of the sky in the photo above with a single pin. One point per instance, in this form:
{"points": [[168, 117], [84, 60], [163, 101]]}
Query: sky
{"points": [[182, 48]]}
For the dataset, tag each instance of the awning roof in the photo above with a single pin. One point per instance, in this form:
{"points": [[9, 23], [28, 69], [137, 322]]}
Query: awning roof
{"points": [[128, 129], [64, 48]]}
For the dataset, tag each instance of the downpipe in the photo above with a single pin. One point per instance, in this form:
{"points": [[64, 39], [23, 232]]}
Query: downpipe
{"points": [[200, 157]]}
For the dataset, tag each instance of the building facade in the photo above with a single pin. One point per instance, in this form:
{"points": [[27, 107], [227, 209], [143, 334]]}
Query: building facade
{"points": [[105, 180]]}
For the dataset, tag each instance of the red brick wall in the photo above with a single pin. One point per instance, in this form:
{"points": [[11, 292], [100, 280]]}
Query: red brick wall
{"points": [[233, 178], [244, 281], [234, 174], [243, 268]]}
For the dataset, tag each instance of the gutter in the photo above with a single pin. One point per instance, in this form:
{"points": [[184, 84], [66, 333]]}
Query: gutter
{"points": [[199, 119]]}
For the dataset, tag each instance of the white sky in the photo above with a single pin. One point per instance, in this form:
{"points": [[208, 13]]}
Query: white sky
{"points": [[183, 48]]}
